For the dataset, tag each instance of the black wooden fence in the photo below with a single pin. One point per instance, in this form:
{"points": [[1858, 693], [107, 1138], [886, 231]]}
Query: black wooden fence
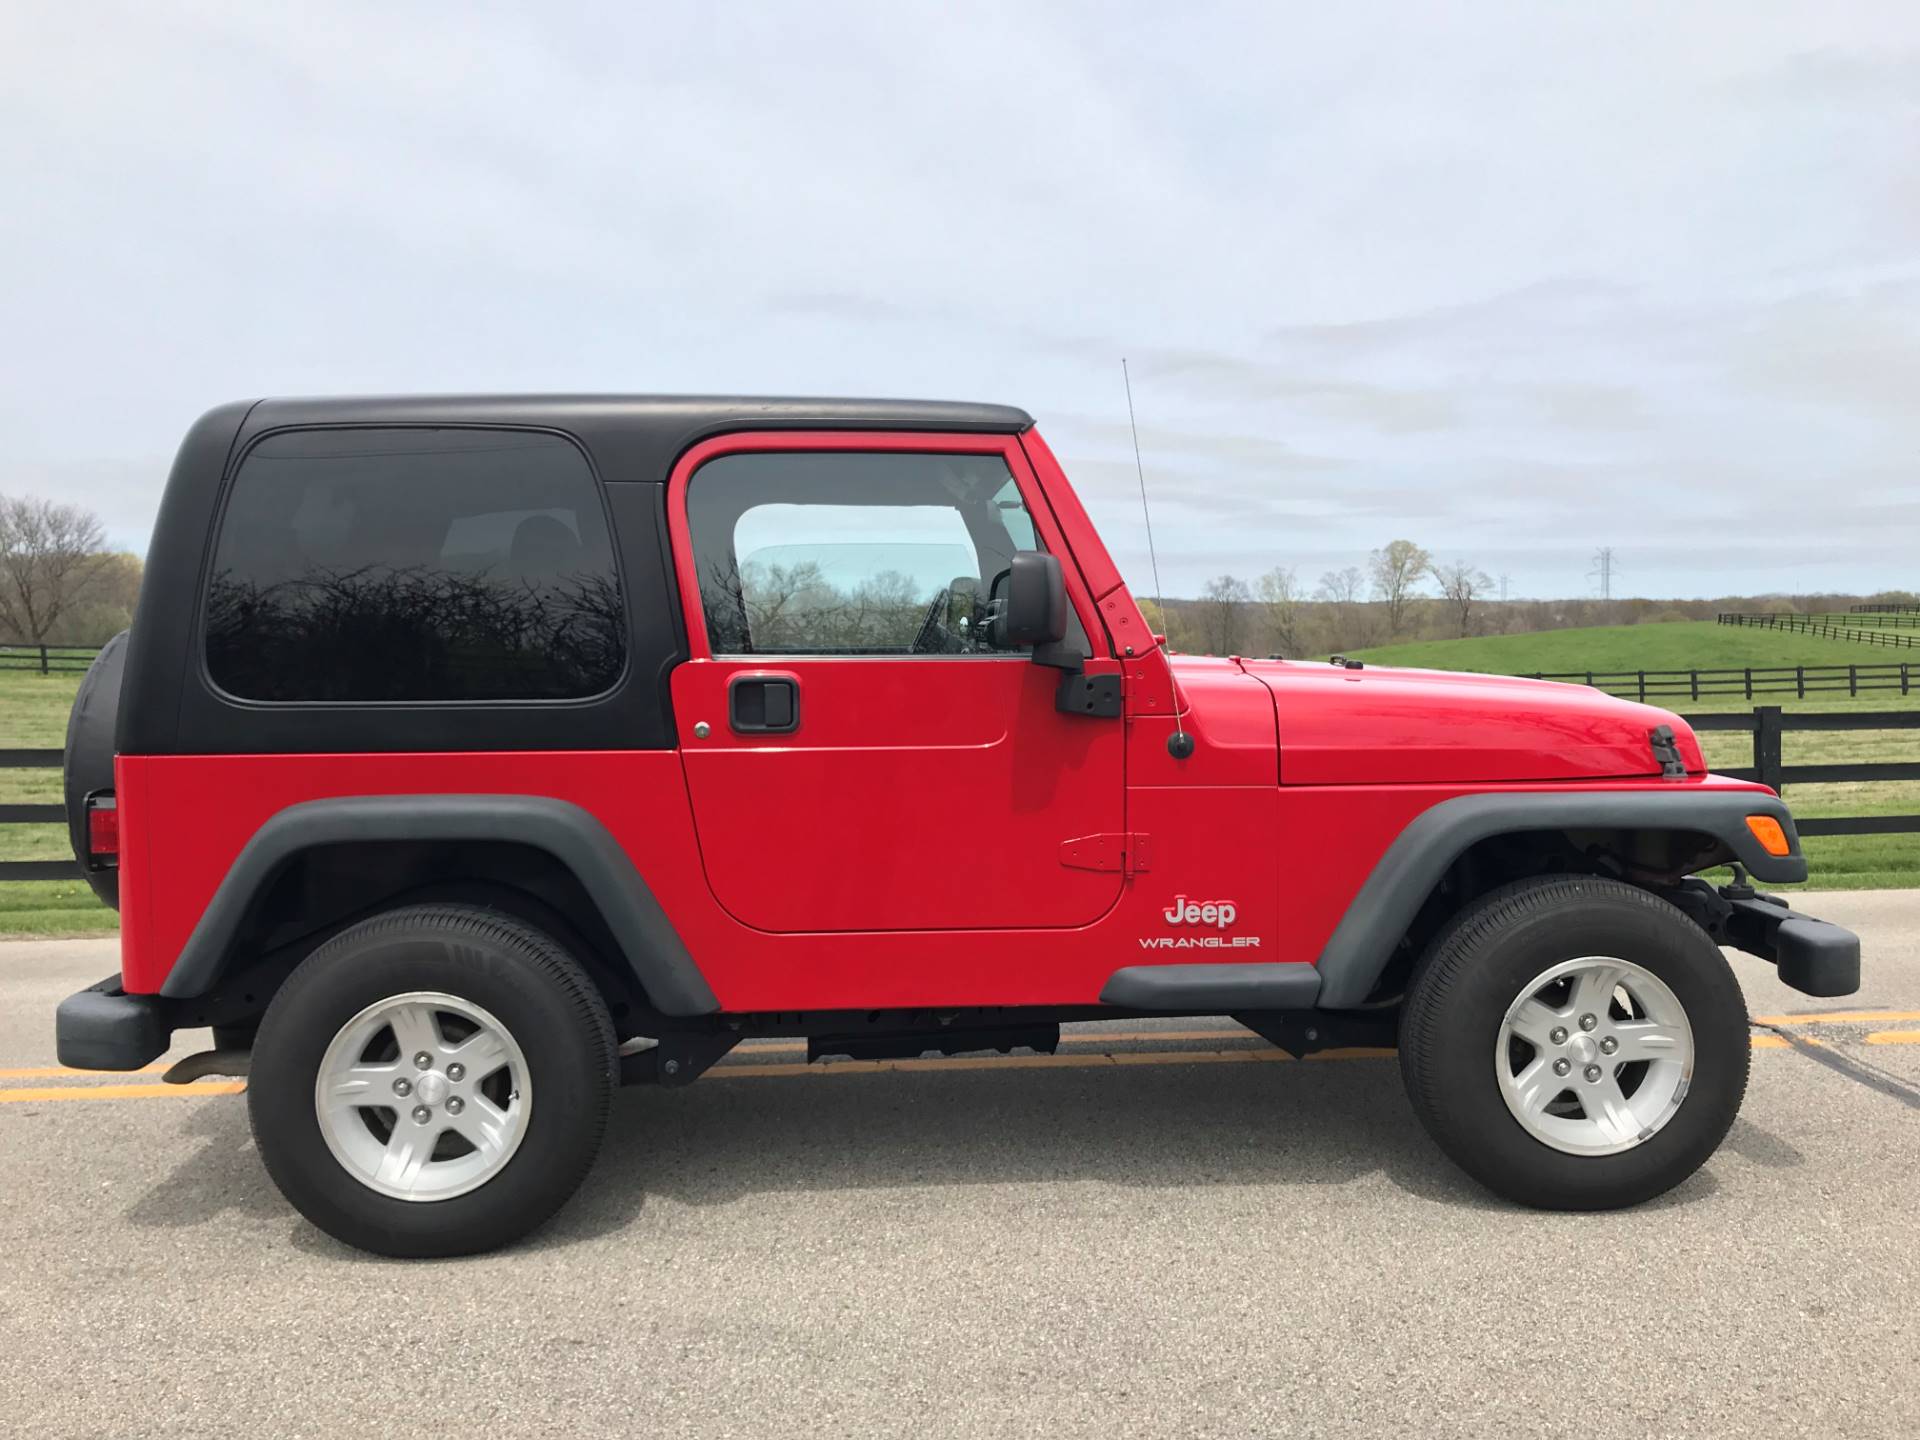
{"points": [[34, 815], [1768, 724], [1851, 619], [1748, 683], [1858, 629], [48, 659]]}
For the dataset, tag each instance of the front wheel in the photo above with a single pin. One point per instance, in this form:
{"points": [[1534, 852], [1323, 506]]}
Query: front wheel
{"points": [[433, 1081], [1575, 1043]]}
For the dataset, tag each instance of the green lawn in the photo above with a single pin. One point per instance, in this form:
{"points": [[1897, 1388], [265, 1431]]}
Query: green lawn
{"points": [[1678, 645], [33, 716]]}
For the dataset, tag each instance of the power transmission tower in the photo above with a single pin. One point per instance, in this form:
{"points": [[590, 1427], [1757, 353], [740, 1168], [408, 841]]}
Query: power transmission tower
{"points": [[1504, 577], [1603, 571]]}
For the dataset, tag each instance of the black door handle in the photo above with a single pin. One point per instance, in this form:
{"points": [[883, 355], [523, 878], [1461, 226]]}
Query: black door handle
{"points": [[763, 704]]}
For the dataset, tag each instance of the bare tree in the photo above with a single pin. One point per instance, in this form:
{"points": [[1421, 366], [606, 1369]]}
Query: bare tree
{"points": [[1222, 607], [49, 554], [1397, 569], [1461, 585], [1280, 601], [1341, 591]]}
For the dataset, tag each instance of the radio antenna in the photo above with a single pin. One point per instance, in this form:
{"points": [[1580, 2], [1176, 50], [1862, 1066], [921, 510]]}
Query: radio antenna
{"points": [[1179, 743]]}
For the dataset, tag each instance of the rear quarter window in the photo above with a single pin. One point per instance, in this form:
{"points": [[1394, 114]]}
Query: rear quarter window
{"points": [[414, 565]]}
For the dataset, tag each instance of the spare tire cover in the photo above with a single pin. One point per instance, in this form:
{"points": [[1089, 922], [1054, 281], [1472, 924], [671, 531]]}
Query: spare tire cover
{"points": [[88, 763]]}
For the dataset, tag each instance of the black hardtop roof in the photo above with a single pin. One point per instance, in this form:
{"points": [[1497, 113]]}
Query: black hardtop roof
{"points": [[638, 437]]}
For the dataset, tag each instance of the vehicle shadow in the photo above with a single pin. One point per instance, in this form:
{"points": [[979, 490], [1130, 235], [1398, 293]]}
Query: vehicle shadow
{"points": [[1145, 1127], [1166, 1127], [219, 1179]]}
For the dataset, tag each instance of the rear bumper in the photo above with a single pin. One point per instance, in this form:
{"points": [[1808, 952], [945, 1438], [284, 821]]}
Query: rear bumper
{"points": [[104, 1028]]}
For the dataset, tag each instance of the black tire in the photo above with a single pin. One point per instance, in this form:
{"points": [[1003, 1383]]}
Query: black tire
{"points": [[87, 761], [494, 961], [1477, 967]]}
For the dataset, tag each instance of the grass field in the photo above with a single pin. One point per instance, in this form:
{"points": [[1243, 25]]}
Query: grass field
{"points": [[1681, 645], [33, 715]]}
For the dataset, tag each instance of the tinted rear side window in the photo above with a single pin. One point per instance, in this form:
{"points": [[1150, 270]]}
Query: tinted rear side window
{"points": [[414, 565]]}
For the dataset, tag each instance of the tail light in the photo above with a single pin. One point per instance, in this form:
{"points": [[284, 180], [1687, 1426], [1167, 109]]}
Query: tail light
{"points": [[103, 831]]}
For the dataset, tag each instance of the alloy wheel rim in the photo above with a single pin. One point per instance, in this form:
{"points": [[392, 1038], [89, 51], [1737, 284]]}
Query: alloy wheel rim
{"points": [[423, 1096], [1594, 1056]]}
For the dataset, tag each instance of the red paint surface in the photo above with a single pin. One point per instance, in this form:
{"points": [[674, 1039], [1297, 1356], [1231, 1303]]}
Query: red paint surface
{"points": [[1382, 726]]}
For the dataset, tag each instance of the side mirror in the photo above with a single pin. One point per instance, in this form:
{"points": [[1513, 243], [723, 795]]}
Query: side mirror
{"points": [[1036, 609]]}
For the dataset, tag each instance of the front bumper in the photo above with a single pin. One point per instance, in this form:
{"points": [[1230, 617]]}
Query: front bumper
{"points": [[104, 1028], [1813, 956]]}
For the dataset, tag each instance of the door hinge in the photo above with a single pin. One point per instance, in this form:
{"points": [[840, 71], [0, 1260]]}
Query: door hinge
{"points": [[1129, 854]]}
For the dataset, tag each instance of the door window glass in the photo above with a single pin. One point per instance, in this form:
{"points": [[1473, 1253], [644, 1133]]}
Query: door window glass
{"points": [[823, 553]]}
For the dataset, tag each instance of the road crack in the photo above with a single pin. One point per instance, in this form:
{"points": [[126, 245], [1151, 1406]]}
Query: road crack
{"points": [[1860, 1072]]}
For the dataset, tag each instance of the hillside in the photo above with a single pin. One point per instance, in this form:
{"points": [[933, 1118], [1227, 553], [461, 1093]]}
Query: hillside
{"points": [[1681, 645]]}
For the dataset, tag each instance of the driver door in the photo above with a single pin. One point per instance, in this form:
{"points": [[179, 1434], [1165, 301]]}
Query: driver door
{"points": [[870, 760]]}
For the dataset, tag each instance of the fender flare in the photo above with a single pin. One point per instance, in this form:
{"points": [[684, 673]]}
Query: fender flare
{"points": [[1385, 907], [649, 944]]}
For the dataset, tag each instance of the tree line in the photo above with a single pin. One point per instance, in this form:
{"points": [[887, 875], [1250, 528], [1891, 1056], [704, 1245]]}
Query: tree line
{"points": [[59, 583], [1406, 593]]}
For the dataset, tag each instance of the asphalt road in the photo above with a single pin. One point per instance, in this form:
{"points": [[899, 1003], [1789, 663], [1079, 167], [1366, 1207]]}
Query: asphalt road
{"points": [[1181, 1239]]}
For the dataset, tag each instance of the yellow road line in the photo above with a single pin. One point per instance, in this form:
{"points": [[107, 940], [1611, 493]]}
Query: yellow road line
{"points": [[1838, 1017], [117, 1092], [1894, 1037], [35, 1072]]}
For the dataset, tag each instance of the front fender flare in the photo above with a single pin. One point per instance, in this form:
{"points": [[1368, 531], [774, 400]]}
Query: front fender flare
{"points": [[1385, 907], [649, 944]]}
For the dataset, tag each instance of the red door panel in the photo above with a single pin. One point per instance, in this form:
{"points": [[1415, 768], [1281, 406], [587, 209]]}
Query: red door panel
{"points": [[927, 792], [916, 794]]}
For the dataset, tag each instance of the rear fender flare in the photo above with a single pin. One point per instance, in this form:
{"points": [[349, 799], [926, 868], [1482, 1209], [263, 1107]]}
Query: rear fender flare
{"points": [[649, 944], [1384, 909]]}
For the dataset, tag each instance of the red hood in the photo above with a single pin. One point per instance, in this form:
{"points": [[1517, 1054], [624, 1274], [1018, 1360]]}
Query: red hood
{"points": [[1380, 726]]}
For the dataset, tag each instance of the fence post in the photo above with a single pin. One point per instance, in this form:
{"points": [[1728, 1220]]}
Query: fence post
{"points": [[1853, 680], [1643, 685], [1694, 675], [1800, 679], [1749, 682], [1903, 677], [43, 661], [1766, 745]]}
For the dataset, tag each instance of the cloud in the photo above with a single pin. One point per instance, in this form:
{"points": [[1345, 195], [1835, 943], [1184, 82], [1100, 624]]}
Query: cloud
{"points": [[1514, 281]]}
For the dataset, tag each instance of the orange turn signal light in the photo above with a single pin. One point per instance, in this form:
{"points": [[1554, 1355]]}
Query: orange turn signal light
{"points": [[1767, 831]]}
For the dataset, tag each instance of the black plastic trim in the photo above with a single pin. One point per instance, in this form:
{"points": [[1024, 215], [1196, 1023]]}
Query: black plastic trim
{"points": [[1814, 956], [650, 946], [1385, 907], [104, 1028], [1213, 988]]}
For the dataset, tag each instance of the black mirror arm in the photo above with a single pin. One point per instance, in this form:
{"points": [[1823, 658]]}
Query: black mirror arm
{"points": [[1060, 655]]}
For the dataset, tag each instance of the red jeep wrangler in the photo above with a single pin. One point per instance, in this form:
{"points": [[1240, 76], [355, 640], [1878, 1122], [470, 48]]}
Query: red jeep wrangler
{"points": [[468, 757]]}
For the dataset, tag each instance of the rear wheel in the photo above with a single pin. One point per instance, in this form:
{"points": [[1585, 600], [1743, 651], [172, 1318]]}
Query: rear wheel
{"points": [[1575, 1043], [433, 1081]]}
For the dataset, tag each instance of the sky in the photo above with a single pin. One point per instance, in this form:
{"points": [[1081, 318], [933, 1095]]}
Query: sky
{"points": [[1514, 280]]}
